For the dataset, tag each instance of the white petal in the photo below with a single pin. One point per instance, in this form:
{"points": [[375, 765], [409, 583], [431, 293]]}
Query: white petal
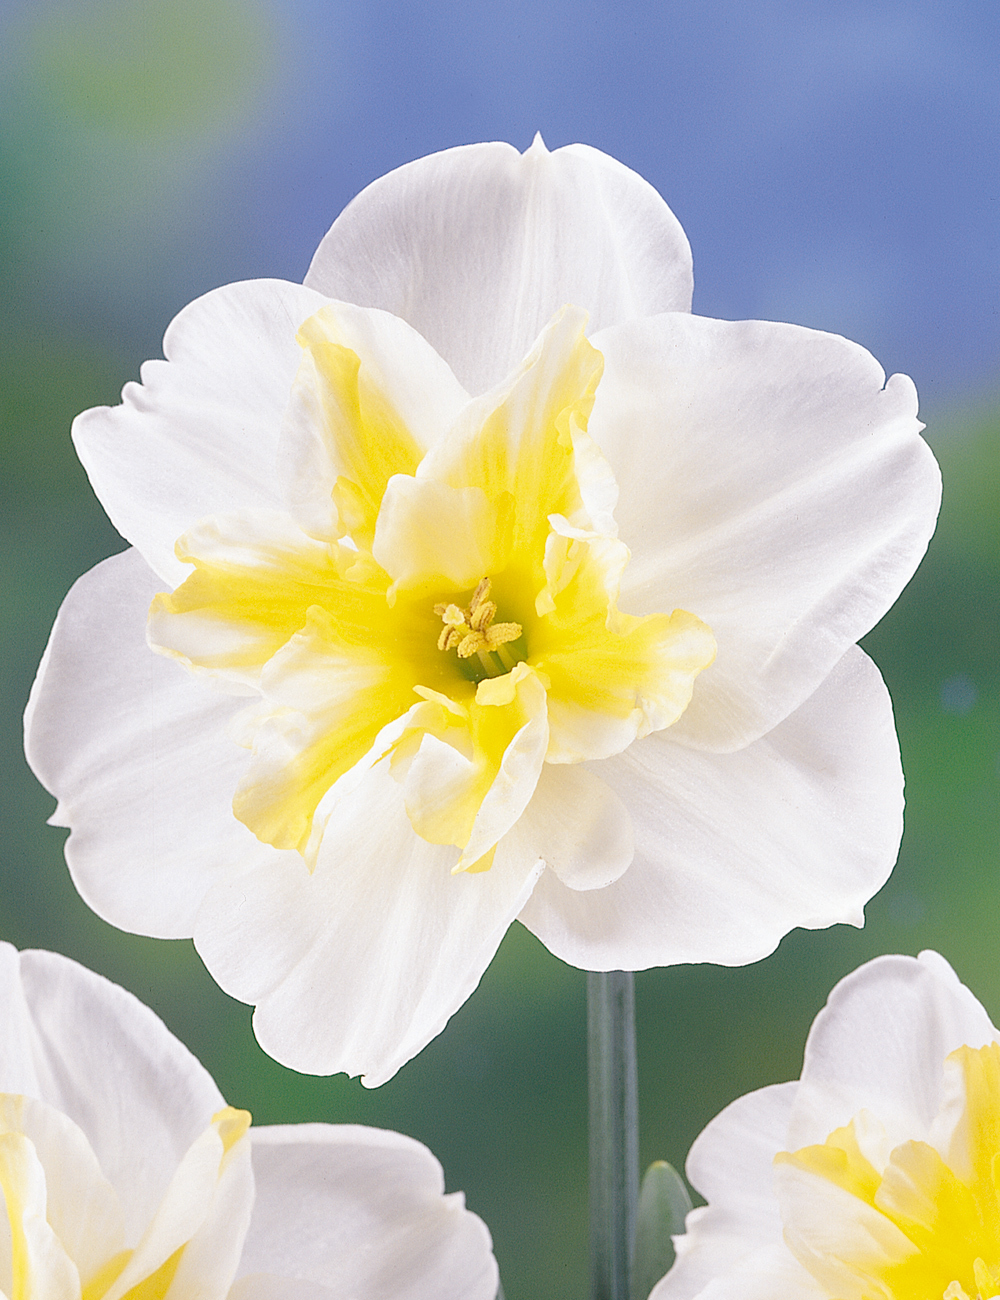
{"points": [[200, 434], [578, 825], [48, 1270], [148, 781], [768, 1273], [520, 768], [880, 1044], [734, 850], [374, 951], [212, 1255], [478, 246], [771, 483], [362, 1212], [730, 1164], [269, 1286], [93, 1051]]}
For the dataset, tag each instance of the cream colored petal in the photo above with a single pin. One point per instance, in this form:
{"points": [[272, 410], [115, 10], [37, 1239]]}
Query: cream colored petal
{"points": [[330, 699], [81, 1206], [843, 1242], [369, 397], [519, 768], [40, 1266], [430, 535]]}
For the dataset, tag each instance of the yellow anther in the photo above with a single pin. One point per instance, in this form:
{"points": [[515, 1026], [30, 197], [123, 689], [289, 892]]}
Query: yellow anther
{"points": [[472, 631]]}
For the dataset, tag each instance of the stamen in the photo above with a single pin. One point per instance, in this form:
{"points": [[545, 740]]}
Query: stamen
{"points": [[471, 631]]}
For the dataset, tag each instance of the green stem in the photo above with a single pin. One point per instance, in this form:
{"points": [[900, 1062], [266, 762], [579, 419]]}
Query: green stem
{"points": [[614, 1132]]}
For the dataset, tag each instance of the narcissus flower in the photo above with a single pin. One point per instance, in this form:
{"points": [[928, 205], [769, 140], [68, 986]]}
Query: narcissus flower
{"points": [[498, 586], [125, 1176], [874, 1177]]}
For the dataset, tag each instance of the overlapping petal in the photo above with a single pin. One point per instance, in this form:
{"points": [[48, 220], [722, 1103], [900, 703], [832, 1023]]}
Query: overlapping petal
{"points": [[478, 247], [732, 850], [772, 481], [340, 983], [197, 438], [152, 1187], [850, 1181]]}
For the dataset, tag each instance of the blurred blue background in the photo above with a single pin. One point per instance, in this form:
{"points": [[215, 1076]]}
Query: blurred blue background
{"points": [[833, 163]]}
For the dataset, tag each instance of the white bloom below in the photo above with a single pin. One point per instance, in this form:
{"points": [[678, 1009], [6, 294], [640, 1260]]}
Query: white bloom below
{"points": [[124, 1176], [874, 1177]]}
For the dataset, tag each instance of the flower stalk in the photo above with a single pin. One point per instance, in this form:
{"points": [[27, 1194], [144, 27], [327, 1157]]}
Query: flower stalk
{"points": [[614, 1132]]}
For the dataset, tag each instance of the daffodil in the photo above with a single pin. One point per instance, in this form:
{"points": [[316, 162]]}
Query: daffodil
{"points": [[484, 581], [125, 1176], [874, 1176]]}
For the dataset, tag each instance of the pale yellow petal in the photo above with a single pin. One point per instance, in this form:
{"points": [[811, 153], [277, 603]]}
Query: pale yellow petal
{"points": [[430, 535], [518, 440]]}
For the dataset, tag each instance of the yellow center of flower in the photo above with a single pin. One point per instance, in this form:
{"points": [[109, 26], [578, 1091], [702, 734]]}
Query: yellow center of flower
{"points": [[471, 631], [364, 622], [66, 1223], [918, 1222]]}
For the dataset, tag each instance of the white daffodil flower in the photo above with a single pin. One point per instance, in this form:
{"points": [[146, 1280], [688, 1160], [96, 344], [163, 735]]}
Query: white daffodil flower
{"points": [[125, 1176], [497, 585], [874, 1177]]}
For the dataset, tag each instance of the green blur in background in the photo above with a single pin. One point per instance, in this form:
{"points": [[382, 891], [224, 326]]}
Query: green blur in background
{"points": [[112, 121]]}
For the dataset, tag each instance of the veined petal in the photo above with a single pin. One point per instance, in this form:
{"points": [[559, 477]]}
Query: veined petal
{"points": [[773, 483], [352, 424], [380, 898], [728, 856], [199, 435], [256, 575], [478, 246], [362, 1212], [151, 757]]}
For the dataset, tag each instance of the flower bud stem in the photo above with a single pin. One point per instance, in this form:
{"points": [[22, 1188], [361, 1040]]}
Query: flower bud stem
{"points": [[614, 1132]]}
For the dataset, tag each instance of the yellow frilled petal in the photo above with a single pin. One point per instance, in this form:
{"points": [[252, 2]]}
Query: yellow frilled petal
{"points": [[517, 443], [469, 772], [613, 678], [469, 606], [366, 438], [928, 1228]]}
